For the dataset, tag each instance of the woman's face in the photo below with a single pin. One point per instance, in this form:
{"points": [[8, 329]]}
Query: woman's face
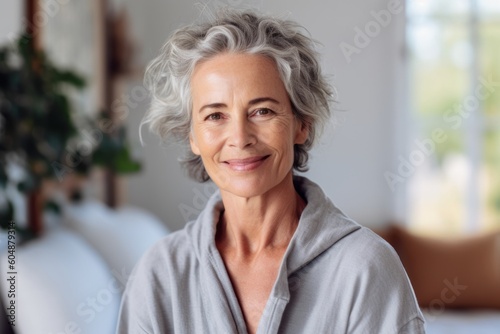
{"points": [[243, 126]]}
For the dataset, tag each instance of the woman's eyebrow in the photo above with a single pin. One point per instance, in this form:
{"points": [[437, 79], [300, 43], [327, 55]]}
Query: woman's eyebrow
{"points": [[213, 106], [262, 99], [250, 103]]}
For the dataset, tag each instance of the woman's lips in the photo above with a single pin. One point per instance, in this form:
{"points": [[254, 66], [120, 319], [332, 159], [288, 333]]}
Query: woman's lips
{"points": [[247, 164]]}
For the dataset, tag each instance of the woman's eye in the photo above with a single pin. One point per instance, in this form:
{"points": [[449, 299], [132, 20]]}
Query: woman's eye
{"points": [[263, 112], [213, 117]]}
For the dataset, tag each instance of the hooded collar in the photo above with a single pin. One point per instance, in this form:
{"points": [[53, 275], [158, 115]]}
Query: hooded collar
{"points": [[321, 225]]}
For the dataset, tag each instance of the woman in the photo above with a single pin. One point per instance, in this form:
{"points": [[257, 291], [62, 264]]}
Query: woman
{"points": [[270, 252]]}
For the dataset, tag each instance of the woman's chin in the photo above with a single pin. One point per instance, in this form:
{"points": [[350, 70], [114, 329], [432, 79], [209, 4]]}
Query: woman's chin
{"points": [[251, 185], [246, 187]]}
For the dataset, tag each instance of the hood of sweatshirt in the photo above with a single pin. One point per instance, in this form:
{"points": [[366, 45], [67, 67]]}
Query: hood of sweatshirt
{"points": [[320, 226]]}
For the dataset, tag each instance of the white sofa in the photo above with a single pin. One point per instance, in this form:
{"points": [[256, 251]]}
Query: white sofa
{"points": [[71, 279]]}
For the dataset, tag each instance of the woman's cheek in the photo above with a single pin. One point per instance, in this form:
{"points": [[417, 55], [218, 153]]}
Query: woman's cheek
{"points": [[211, 134]]}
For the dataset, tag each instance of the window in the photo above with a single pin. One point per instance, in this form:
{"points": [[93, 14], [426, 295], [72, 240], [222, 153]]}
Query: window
{"points": [[454, 61]]}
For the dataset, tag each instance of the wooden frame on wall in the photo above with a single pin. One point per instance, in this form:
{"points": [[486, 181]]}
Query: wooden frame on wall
{"points": [[74, 34]]}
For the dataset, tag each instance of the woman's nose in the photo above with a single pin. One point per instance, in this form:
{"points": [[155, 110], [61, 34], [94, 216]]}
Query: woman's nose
{"points": [[241, 133]]}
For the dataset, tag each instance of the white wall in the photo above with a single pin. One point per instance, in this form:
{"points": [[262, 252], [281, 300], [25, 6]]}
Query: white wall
{"points": [[353, 156], [10, 19]]}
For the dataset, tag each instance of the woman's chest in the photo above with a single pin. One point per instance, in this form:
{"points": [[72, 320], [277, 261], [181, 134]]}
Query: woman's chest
{"points": [[252, 285]]}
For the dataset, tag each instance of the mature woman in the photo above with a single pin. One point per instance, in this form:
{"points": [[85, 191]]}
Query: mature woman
{"points": [[270, 252]]}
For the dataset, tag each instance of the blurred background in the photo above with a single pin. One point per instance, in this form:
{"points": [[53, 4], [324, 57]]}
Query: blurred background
{"points": [[413, 151]]}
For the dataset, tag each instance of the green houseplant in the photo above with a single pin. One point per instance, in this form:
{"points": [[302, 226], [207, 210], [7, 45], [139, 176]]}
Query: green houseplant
{"points": [[38, 128]]}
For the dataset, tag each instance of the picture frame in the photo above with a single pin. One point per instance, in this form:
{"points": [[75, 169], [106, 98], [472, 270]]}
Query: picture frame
{"points": [[72, 33]]}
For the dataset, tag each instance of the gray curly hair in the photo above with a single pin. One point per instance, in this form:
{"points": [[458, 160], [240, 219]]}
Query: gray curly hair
{"points": [[168, 76]]}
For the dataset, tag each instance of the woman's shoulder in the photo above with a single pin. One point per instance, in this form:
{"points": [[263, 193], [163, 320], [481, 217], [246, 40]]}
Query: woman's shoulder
{"points": [[174, 254], [373, 267], [183, 251], [364, 246], [362, 255], [173, 246]]}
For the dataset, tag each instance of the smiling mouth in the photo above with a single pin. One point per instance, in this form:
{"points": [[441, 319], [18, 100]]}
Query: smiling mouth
{"points": [[247, 164]]}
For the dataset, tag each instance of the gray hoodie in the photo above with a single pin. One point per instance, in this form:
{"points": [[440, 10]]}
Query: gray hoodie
{"points": [[335, 277]]}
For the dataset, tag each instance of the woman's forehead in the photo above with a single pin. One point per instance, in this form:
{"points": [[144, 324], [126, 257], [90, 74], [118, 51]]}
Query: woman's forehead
{"points": [[229, 74]]}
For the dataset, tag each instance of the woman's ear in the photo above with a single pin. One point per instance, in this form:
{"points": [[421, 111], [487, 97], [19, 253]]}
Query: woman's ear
{"points": [[194, 146], [301, 133]]}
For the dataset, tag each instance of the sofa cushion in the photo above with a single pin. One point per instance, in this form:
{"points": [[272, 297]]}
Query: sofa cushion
{"points": [[455, 273], [63, 286], [120, 236]]}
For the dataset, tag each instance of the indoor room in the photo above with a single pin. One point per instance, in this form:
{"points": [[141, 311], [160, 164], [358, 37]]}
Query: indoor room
{"points": [[100, 169]]}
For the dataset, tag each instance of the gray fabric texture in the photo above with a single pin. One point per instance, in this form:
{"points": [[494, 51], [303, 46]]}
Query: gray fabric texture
{"points": [[335, 277]]}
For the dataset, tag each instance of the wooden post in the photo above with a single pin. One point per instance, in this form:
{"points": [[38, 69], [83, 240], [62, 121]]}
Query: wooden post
{"points": [[109, 176], [35, 197], [35, 211], [31, 28], [111, 181]]}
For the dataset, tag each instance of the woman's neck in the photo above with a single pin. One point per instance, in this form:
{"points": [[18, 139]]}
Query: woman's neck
{"points": [[250, 226]]}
